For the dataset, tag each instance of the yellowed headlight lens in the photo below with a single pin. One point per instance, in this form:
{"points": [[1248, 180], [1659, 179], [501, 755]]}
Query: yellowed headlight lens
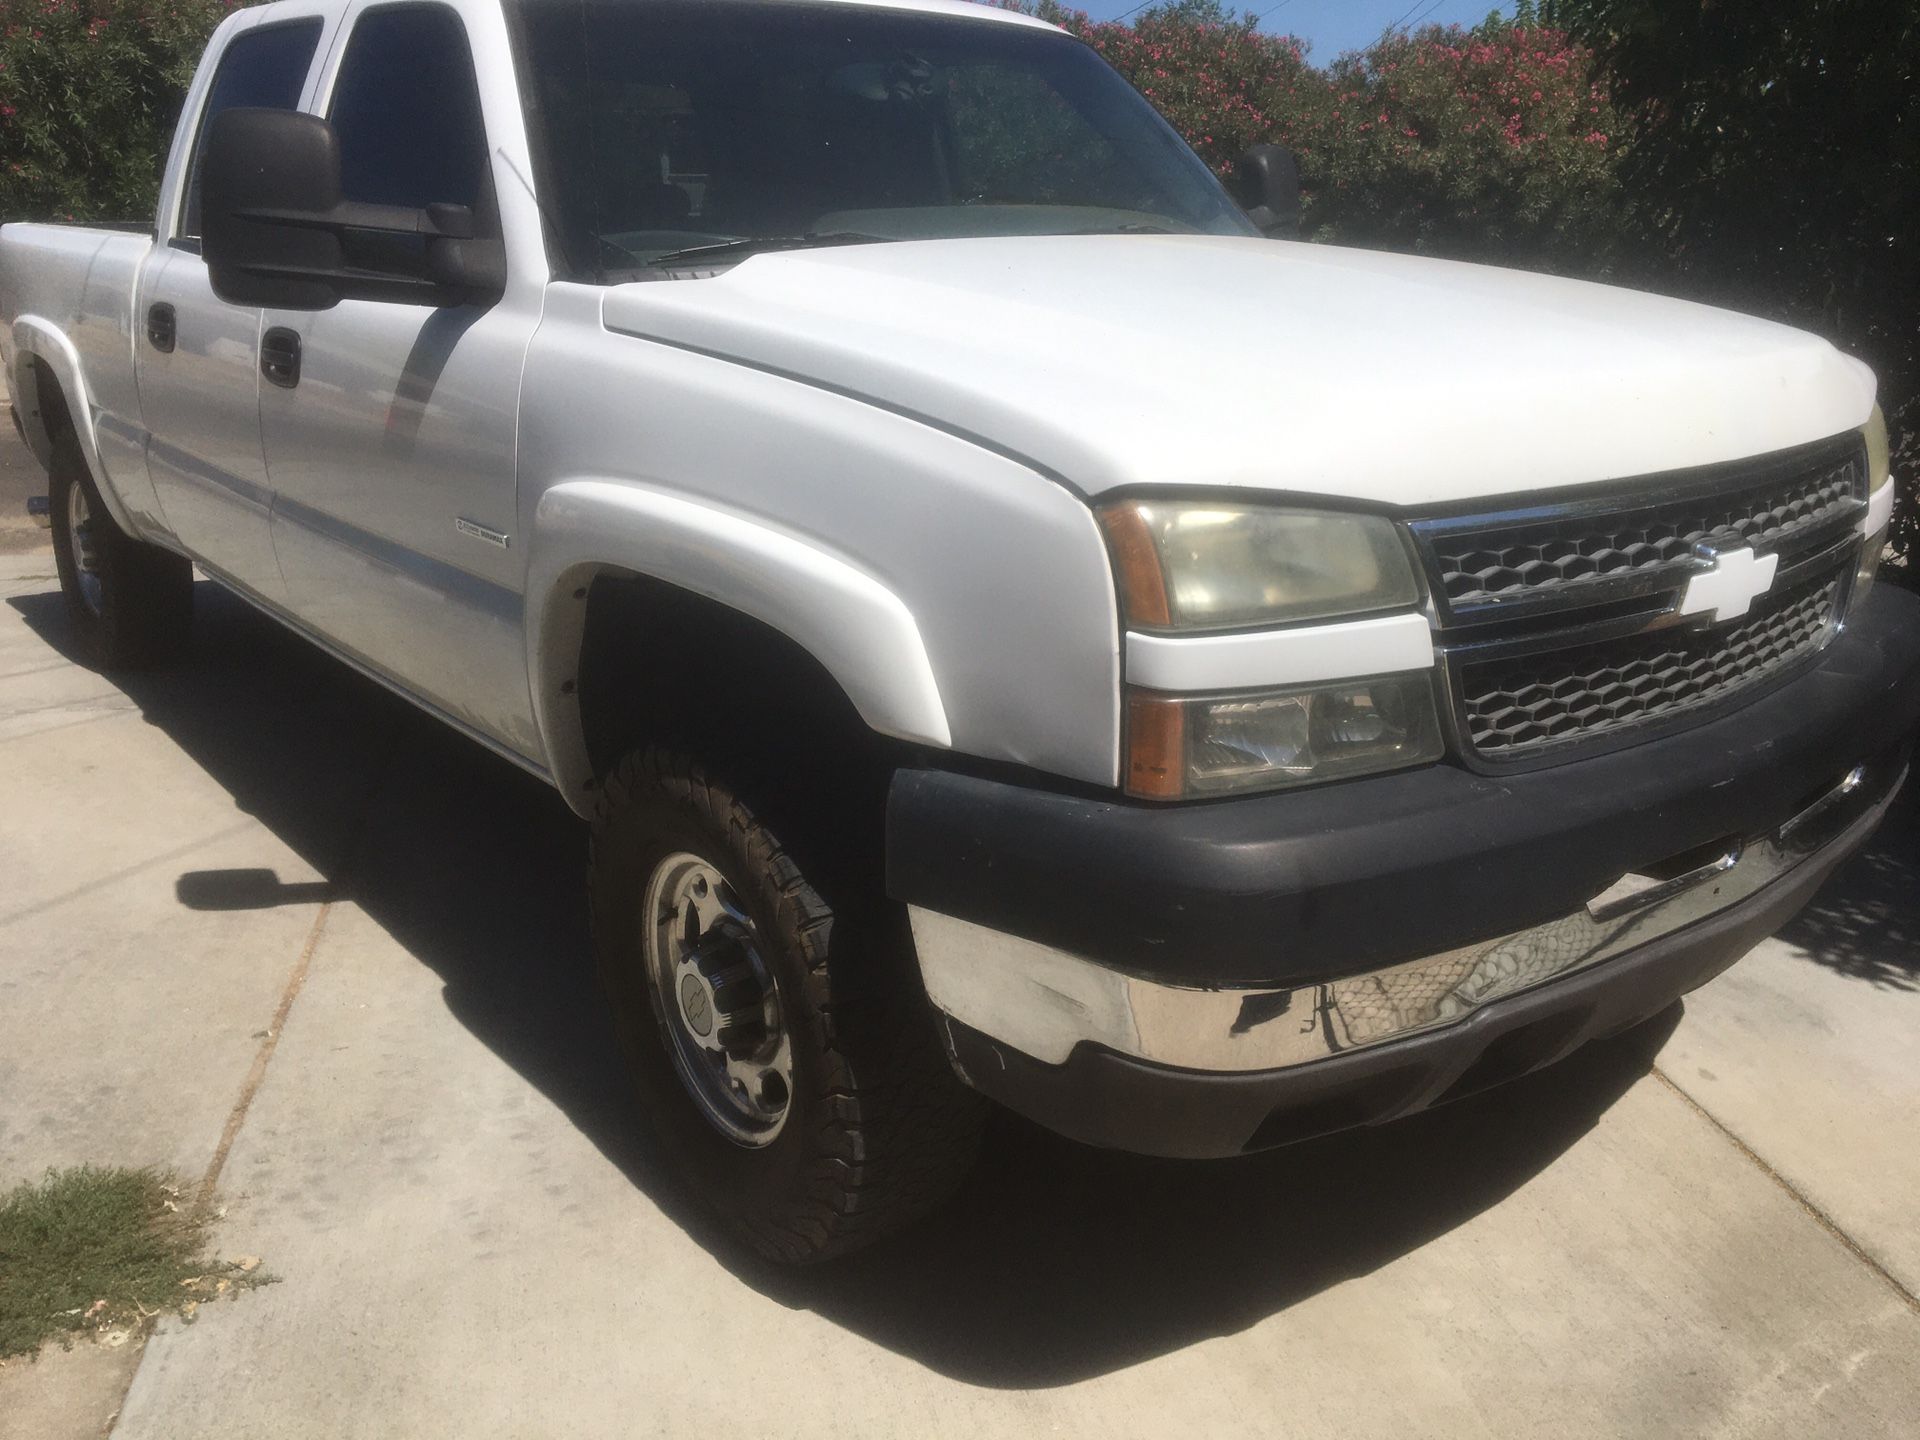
{"points": [[1217, 565]]}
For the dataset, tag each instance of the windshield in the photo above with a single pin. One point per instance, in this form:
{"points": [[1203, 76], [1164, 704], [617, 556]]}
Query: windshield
{"points": [[669, 126]]}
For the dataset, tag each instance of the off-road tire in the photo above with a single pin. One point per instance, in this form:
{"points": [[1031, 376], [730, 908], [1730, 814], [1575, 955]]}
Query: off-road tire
{"points": [[880, 1131], [144, 614]]}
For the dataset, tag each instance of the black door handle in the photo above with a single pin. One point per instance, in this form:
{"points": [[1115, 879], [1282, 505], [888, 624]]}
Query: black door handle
{"points": [[162, 327], [280, 357]]}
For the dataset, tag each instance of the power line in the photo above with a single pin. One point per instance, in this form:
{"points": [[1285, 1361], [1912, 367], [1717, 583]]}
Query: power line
{"points": [[1404, 24], [1144, 4], [1403, 18]]}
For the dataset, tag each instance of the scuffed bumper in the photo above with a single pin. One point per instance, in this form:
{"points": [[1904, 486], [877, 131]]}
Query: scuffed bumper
{"points": [[1205, 979], [1117, 1061]]}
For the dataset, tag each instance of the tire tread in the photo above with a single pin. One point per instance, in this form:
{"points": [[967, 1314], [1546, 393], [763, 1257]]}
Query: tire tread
{"points": [[894, 1131]]}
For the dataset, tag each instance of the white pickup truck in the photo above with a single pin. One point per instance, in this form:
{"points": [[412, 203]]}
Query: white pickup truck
{"points": [[1014, 627]]}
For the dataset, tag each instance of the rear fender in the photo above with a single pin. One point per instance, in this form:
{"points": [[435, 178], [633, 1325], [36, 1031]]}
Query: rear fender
{"points": [[38, 339]]}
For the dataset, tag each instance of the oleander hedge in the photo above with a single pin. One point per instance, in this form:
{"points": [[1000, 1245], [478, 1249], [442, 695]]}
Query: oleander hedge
{"points": [[1497, 143], [89, 92]]}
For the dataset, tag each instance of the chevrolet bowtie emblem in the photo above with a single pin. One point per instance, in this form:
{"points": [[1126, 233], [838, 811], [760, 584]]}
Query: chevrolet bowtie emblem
{"points": [[1737, 579]]}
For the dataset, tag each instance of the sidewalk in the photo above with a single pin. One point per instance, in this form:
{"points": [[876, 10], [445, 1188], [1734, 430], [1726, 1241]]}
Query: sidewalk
{"points": [[1701, 1230]]}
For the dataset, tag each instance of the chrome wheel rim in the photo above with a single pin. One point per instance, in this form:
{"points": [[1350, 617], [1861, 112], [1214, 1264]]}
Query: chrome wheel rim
{"points": [[718, 1008], [86, 560]]}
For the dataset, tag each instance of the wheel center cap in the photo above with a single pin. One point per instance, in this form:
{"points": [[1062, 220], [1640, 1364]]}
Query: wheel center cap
{"points": [[697, 1005]]}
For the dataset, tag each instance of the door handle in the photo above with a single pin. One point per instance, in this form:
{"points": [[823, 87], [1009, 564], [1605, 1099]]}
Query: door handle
{"points": [[162, 327], [280, 357]]}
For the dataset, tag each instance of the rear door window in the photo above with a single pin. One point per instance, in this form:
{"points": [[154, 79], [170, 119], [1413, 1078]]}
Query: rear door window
{"points": [[264, 68]]}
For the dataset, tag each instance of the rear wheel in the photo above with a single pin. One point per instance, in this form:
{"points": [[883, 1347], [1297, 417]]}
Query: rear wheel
{"points": [[781, 1045], [131, 604]]}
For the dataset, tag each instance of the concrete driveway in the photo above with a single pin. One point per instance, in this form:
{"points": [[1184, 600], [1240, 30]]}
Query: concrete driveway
{"points": [[263, 923]]}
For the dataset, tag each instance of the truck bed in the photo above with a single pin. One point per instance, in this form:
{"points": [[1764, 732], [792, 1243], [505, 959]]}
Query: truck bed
{"points": [[66, 301]]}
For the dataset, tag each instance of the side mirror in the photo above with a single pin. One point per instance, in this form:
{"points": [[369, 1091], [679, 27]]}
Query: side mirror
{"points": [[279, 234], [1267, 180]]}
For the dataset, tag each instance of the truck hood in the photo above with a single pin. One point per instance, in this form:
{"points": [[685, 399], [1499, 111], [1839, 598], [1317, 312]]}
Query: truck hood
{"points": [[1118, 360]]}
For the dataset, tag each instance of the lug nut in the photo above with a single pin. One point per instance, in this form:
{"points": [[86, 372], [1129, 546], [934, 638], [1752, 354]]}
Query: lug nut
{"points": [[742, 1038]]}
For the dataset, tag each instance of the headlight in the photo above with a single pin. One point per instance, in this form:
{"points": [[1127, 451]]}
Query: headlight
{"points": [[1186, 566], [1879, 475], [1180, 748]]}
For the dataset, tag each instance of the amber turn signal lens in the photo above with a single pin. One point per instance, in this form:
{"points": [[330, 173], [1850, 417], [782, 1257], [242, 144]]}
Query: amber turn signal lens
{"points": [[1156, 747], [1143, 589]]}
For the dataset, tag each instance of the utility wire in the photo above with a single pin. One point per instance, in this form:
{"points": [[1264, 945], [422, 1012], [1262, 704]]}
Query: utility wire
{"points": [[1145, 3], [1403, 18]]}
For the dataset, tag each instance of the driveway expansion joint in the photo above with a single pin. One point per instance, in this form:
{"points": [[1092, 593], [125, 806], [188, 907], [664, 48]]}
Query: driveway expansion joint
{"points": [[262, 1057], [1814, 1212]]}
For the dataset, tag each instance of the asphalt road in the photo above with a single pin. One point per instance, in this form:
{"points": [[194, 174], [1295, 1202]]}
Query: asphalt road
{"points": [[266, 925]]}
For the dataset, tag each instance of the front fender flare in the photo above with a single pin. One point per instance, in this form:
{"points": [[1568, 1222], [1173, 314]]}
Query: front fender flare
{"points": [[856, 627]]}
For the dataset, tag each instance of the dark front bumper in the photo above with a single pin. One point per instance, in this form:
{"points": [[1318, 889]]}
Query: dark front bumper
{"points": [[1116, 1101], [1348, 877], [1082, 951]]}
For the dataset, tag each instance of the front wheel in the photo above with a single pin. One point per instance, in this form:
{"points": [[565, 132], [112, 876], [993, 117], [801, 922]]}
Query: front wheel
{"points": [[781, 1046], [131, 604]]}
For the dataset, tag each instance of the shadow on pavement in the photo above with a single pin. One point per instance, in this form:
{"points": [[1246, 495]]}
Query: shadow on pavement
{"points": [[1865, 922], [1060, 1262], [1056, 1263], [246, 890]]}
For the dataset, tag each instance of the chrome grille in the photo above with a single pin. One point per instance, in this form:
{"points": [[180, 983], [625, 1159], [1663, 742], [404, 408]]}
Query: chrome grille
{"points": [[1560, 626], [1559, 556], [1513, 705]]}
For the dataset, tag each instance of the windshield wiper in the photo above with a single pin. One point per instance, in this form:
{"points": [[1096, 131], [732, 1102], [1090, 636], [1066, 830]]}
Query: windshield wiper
{"points": [[759, 244]]}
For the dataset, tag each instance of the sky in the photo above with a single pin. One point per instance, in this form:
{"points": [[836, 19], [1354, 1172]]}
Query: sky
{"points": [[1330, 25]]}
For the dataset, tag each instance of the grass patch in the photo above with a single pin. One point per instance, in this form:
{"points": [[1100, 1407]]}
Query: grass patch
{"points": [[91, 1249]]}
